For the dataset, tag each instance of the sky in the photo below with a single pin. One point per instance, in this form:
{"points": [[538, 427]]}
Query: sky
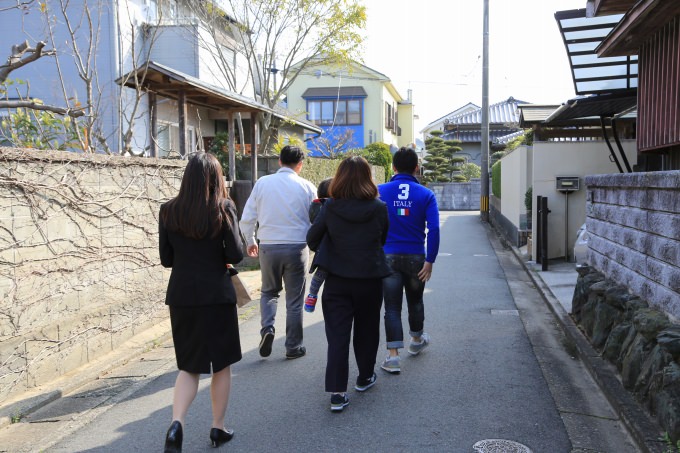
{"points": [[434, 47]]}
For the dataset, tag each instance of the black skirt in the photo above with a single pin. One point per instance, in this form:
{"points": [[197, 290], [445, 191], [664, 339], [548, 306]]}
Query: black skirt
{"points": [[206, 338]]}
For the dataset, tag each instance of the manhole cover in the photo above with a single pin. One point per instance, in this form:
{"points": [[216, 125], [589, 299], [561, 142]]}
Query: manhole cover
{"points": [[500, 446]]}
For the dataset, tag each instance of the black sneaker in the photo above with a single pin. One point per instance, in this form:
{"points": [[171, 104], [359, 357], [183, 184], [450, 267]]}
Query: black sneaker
{"points": [[296, 353], [339, 401], [266, 342], [365, 384]]}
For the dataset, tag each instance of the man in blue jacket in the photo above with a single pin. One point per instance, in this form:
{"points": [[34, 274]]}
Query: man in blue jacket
{"points": [[414, 221]]}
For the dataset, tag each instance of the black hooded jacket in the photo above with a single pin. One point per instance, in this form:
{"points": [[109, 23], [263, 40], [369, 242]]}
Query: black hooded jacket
{"points": [[348, 237]]}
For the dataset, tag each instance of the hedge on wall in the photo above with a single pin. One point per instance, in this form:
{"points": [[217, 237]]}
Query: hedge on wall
{"points": [[496, 179], [316, 170]]}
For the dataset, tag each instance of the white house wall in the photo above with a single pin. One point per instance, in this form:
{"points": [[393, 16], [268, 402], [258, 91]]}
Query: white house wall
{"points": [[552, 159], [514, 180]]}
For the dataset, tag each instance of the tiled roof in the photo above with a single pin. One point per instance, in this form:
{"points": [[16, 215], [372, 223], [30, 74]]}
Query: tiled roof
{"points": [[508, 138], [475, 136], [505, 112], [466, 108], [534, 113]]}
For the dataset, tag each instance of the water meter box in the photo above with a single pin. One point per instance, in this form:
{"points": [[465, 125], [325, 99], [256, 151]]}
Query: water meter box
{"points": [[567, 183]]}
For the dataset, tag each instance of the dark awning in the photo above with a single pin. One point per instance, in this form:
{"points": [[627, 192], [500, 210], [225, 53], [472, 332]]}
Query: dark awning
{"points": [[603, 105], [592, 74], [335, 92]]}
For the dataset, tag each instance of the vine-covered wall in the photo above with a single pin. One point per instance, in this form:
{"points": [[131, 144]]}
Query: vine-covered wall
{"points": [[79, 265]]}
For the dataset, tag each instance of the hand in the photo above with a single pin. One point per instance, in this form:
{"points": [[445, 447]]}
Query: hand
{"points": [[426, 272], [253, 250]]}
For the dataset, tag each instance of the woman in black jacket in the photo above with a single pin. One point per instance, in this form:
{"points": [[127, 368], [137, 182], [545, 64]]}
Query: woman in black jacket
{"points": [[348, 236], [198, 237]]}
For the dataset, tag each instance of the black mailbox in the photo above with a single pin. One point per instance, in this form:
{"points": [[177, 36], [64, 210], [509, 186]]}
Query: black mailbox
{"points": [[567, 183]]}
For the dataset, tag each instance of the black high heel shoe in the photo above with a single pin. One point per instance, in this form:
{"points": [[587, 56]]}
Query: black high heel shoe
{"points": [[220, 436], [173, 440]]}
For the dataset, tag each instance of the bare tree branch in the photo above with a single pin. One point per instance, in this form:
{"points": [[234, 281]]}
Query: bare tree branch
{"points": [[18, 5], [37, 106], [18, 58]]}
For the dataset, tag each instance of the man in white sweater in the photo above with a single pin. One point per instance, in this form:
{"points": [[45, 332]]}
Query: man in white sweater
{"points": [[279, 206]]}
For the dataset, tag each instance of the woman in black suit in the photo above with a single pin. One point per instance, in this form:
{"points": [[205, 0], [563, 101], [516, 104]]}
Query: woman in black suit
{"points": [[198, 237], [348, 236]]}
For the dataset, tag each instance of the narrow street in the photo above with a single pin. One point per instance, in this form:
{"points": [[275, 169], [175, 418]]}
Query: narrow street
{"points": [[497, 368]]}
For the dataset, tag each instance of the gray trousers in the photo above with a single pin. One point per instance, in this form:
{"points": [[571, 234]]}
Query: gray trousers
{"points": [[284, 266]]}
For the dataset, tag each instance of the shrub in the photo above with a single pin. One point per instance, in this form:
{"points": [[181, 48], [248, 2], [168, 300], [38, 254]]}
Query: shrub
{"points": [[471, 170], [496, 179], [378, 154], [528, 198]]}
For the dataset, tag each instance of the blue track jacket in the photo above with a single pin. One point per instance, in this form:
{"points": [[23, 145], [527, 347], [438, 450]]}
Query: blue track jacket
{"points": [[411, 207]]}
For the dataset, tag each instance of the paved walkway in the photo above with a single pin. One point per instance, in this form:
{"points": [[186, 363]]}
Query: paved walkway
{"points": [[498, 368]]}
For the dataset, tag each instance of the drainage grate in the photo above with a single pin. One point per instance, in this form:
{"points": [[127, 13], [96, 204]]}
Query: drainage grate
{"points": [[500, 446]]}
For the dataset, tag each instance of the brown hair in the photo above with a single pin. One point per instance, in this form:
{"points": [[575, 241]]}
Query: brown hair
{"points": [[199, 208], [353, 180]]}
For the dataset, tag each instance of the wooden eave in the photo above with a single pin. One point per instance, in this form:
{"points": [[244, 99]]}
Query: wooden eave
{"points": [[170, 87], [607, 7], [641, 21], [165, 82]]}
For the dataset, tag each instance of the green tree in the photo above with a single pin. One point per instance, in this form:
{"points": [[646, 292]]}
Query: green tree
{"points": [[441, 161], [525, 139], [470, 170], [378, 154]]}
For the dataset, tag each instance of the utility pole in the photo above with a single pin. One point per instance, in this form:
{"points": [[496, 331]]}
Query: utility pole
{"points": [[484, 201]]}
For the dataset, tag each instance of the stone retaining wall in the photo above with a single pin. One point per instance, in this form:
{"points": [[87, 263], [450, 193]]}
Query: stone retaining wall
{"points": [[79, 265], [634, 226], [640, 341], [457, 196]]}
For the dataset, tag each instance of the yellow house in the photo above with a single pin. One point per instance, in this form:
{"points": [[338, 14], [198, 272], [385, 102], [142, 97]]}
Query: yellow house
{"points": [[354, 105]]}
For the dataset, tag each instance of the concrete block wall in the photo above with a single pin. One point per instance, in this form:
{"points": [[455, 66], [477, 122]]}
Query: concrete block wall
{"points": [[457, 196], [79, 266], [634, 225]]}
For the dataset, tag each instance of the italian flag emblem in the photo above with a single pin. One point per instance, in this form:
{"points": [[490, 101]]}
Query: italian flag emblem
{"points": [[402, 211]]}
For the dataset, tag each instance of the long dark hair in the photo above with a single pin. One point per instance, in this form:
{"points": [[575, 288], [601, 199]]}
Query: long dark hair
{"points": [[199, 208], [353, 180]]}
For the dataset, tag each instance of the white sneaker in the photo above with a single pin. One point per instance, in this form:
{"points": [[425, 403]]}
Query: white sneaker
{"points": [[417, 346], [392, 364]]}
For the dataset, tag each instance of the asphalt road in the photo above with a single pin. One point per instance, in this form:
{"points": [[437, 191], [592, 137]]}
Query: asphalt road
{"points": [[481, 378]]}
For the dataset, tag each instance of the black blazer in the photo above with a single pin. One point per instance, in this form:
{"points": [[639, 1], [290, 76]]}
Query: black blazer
{"points": [[348, 237], [199, 273]]}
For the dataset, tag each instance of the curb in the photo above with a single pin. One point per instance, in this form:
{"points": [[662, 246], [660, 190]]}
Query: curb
{"points": [[34, 399], [644, 431]]}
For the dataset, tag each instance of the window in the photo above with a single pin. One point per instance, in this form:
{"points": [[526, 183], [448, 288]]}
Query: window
{"points": [[341, 112], [353, 112], [167, 139], [389, 116], [391, 121]]}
